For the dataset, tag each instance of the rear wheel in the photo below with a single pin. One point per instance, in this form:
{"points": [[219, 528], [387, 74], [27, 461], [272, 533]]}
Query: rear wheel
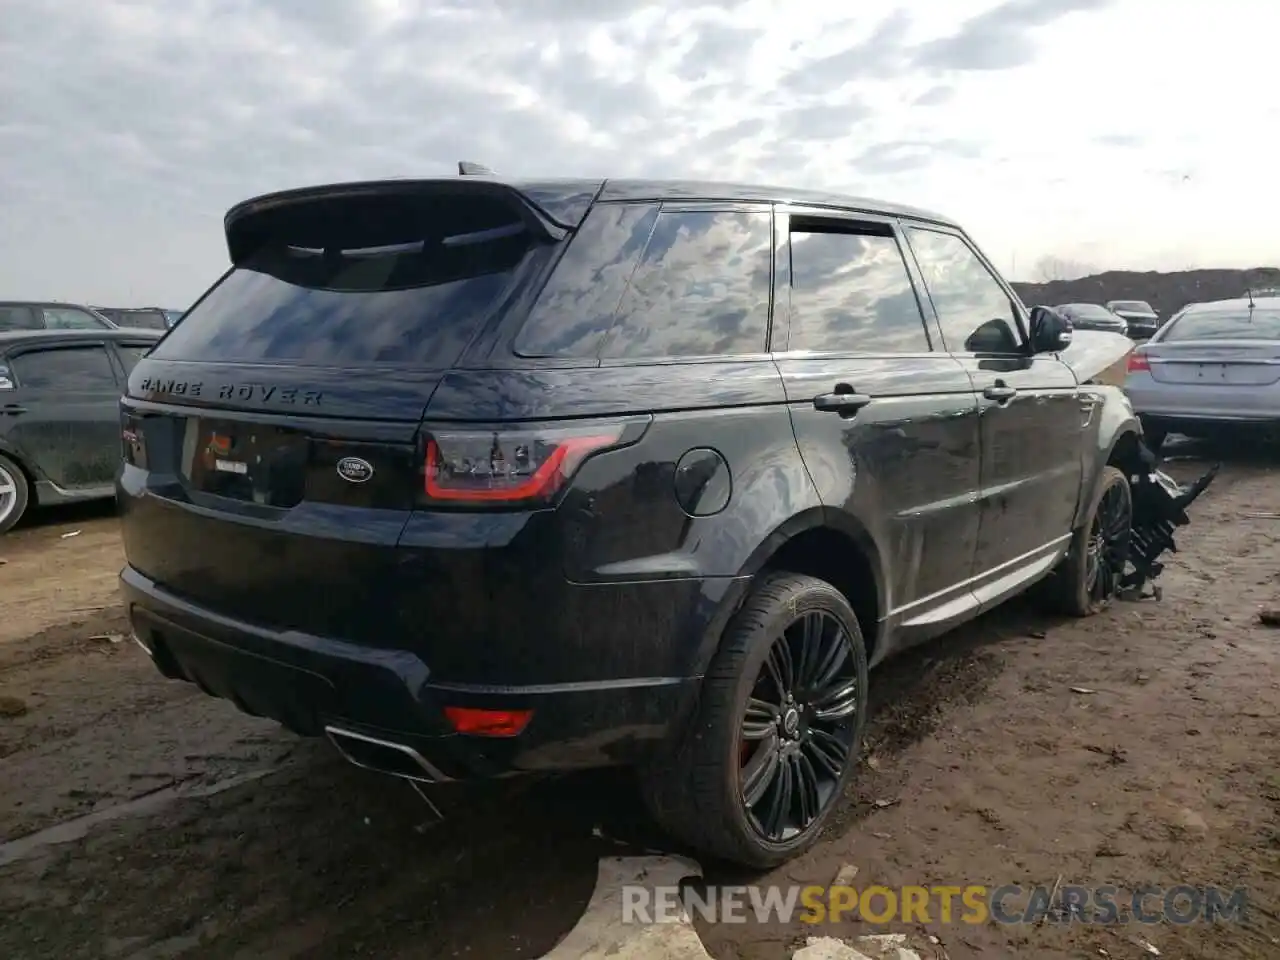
{"points": [[13, 493], [778, 730], [1088, 579]]}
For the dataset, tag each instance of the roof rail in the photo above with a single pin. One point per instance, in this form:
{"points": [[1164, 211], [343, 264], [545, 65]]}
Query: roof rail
{"points": [[468, 168]]}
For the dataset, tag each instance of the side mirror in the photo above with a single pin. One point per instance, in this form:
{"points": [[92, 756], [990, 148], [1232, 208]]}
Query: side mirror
{"points": [[1050, 330]]}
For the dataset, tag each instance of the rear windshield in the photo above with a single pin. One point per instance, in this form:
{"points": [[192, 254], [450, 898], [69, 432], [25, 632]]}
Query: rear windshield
{"points": [[1225, 325], [415, 301], [19, 318], [1135, 306], [142, 320]]}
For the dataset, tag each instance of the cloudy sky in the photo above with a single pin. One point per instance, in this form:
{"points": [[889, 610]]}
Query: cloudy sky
{"points": [[1114, 133]]}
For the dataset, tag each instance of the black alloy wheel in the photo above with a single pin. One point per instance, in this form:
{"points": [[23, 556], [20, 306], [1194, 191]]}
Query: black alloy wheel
{"points": [[798, 726], [1108, 546], [777, 730]]}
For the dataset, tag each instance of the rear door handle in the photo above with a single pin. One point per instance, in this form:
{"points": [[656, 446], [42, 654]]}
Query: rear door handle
{"points": [[1000, 392], [12, 409], [843, 401]]}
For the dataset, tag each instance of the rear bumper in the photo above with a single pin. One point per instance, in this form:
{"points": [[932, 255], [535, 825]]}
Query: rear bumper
{"points": [[310, 683], [1212, 425]]}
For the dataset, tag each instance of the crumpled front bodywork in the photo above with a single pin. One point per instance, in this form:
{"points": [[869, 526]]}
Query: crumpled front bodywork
{"points": [[1159, 508]]}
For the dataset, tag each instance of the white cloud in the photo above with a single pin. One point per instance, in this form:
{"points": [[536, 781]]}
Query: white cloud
{"points": [[1124, 133]]}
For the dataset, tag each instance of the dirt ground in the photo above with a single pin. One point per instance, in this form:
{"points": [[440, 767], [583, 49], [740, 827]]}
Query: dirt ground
{"points": [[141, 820]]}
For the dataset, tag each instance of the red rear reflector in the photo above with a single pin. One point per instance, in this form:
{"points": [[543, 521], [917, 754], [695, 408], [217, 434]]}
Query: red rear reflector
{"points": [[488, 723], [1137, 363]]}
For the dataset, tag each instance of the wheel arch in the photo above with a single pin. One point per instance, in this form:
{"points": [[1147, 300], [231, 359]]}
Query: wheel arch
{"points": [[28, 473], [832, 546]]}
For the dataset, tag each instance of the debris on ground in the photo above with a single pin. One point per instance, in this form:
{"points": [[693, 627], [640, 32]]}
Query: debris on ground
{"points": [[1159, 507], [845, 875], [12, 707], [73, 533], [1083, 691], [1269, 617]]}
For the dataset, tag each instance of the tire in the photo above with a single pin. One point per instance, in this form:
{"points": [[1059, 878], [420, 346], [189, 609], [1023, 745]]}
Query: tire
{"points": [[14, 494], [695, 789], [1071, 589]]}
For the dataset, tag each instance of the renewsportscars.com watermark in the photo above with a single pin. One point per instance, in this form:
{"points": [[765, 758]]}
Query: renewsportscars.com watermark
{"points": [[969, 904]]}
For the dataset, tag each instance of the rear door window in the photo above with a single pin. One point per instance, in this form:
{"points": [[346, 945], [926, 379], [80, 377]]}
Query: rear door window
{"points": [[70, 369], [850, 291], [415, 300], [69, 318], [640, 282]]}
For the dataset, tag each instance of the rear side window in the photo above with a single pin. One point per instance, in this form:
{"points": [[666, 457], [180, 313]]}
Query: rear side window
{"points": [[19, 318], [701, 288], [69, 318], [130, 354], [578, 305], [639, 282], [1225, 325], [395, 280], [850, 292], [77, 369], [142, 320]]}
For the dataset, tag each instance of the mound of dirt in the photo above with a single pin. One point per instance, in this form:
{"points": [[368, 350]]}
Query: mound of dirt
{"points": [[1166, 292]]}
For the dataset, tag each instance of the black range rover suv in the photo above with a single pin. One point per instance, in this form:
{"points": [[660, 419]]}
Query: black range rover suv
{"points": [[478, 476]]}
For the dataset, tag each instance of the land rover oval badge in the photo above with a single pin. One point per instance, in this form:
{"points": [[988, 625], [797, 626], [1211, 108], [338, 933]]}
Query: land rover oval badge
{"points": [[355, 470]]}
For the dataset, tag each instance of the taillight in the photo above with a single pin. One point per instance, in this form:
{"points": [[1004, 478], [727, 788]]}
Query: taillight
{"points": [[1138, 362], [132, 441], [521, 466]]}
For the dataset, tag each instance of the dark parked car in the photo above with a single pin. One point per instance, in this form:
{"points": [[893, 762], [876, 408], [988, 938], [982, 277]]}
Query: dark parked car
{"points": [[478, 476], [60, 414], [137, 318], [1091, 316], [41, 315], [1142, 320]]}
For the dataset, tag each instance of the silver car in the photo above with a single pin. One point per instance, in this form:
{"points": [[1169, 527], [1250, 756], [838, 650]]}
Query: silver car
{"points": [[1213, 367]]}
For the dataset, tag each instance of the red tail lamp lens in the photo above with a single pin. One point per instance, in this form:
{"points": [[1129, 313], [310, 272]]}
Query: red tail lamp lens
{"points": [[1137, 363], [488, 723], [509, 466]]}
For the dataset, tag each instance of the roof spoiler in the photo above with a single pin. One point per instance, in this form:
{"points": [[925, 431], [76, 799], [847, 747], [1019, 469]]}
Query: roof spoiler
{"points": [[251, 223]]}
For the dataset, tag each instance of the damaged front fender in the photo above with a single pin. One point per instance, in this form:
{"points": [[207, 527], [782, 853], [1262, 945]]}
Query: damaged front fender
{"points": [[1159, 508]]}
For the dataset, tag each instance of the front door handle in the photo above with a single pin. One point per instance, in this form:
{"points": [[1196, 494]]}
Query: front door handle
{"points": [[1000, 392], [12, 409], [844, 401]]}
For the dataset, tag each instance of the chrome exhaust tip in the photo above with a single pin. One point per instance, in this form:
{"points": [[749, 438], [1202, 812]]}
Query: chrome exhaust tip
{"points": [[383, 756]]}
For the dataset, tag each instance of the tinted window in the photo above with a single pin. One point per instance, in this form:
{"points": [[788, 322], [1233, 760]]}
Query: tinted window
{"points": [[701, 288], [141, 319], [852, 292], [975, 313], [1225, 325], [578, 305], [65, 368], [414, 302], [1087, 311], [130, 354], [19, 318], [1134, 306], [69, 318]]}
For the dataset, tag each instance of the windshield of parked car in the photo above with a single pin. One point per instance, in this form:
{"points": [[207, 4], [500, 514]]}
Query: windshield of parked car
{"points": [[1258, 324], [1136, 306]]}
